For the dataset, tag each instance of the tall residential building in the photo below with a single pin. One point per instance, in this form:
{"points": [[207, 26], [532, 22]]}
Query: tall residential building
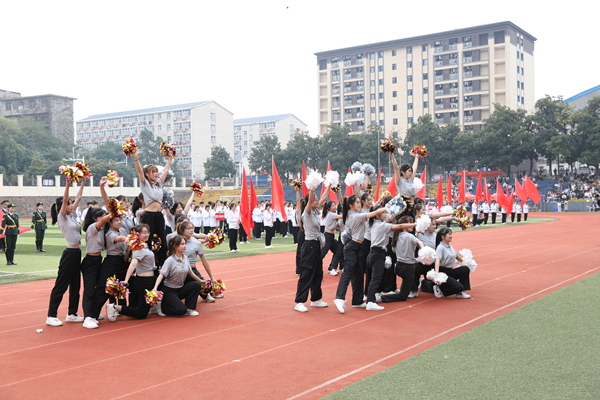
{"points": [[194, 127], [454, 76], [56, 112], [248, 130]]}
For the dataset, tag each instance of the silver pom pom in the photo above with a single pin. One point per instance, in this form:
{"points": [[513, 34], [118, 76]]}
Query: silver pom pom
{"points": [[346, 235], [368, 169], [356, 167], [168, 198]]}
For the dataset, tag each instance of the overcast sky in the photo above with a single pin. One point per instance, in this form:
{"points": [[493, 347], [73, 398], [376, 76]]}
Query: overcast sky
{"points": [[254, 58]]}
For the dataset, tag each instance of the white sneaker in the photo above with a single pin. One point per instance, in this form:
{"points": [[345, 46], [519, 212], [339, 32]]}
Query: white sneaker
{"points": [[412, 295], [53, 321], [219, 296], [236, 250], [73, 318], [242, 242], [463, 295], [111, 312], [153, 310], [208, 299], [364, 297], [363, 305], [374, 307], [269, 247], [100, 317], [232, 251], [333, 272], [420, 282], [437, 291], [390, 292], [378, 297], [318, 303], [300, 307], [340, 304], [89, 323], [191, 313]]}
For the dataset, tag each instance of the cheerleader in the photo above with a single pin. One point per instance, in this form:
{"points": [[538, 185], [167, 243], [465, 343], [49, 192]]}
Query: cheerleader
{"points": [[138, 209], [127, 220], [405, 177], [525, 211], [311, 262], [518, 210], [178, 209], [428, 239], [151, 184], [355, 220], [300, 205], [367, 203], [338, 257], [143, 264], [493, 210], [268, 225], [233, 220], [328, 216], [458, 278], [380, 228], [69, 268]]}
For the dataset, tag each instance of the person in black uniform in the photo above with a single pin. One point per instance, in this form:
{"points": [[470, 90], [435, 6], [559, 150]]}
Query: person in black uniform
{"points": [[10, 223], [2, 242], [40, 224]]}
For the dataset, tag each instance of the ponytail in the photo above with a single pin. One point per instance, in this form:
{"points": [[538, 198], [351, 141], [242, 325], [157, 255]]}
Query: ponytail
{"points": [[441, 233], [173, 243], [346, 207], [372, 219], [91, 215], [407, 219], [326, 208]]}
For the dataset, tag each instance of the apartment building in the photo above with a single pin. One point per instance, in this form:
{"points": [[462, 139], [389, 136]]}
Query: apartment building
{"points": [[56, 112], [454, 76], [194, 127], [248, 130]]}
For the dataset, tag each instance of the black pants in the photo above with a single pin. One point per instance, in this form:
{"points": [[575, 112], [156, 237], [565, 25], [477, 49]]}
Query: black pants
{"points": [[139, 286], [377, 262], [512, 217], [283, 228], [353, 273], [269, 235], [206, 230], [111, 266], [257, 229], [39, 234], [388, 282], [311, 272], [519, 217], [90, 269], [171, 302], [365, 249], [197, 229], [156, 222], [11, 242], [407, 273], [485, 218], [243, 235], [69, 276], [493, 218], [330, 244], [525, 216], [421, 269], [458, 280], [338, 257], [295, 230], [299, 250], [232, 239], [276, 226], [503, 218]]}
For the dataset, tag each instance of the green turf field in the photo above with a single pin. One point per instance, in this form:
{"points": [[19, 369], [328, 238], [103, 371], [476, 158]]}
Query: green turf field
{"points": [[547, 349]]}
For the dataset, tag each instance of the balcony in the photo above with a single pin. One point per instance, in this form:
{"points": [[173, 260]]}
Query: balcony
{"points": [[359, 60], [360, 101], [335, 91], [468, 104], [347, 63], [439, 120], [453, 90], [453, 76], [359, 115], [335, 65], [360, 128], [439, 106], [467, 60], [453, 47], [347, 89], [466, 45], [468, 89], [335, 78], [335, 105], [439, 92], [336, 117], [468, 74], [360, 88], [454, 119], [453, 105], [360, 75], [469, 118], [438, 49], [438, 63], [439, 78], [347, 102], [347, 76], [454, 61]]}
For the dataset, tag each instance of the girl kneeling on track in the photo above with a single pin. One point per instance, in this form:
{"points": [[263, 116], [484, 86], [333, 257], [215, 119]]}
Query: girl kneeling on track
{"points": [[458, 278]]}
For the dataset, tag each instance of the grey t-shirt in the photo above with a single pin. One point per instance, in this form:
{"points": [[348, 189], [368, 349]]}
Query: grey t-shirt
{"points": [[405, 247], [428, 239], [127, 223], [193, 250], [311, 223], [330, 222], [152, 191], [145, 259], [356, 222], [138, 216], [367, 226], [114, 248], [94, 239], [70, 228], [379, 234], [175, 270], [406, 187], [446, 254]]}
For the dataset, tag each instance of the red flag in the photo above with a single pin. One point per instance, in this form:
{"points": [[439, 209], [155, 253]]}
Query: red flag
{"points": [[462, 190], [440, 194], [488, 196], [501, 198], [519, 191], [392, 186], [449, 191], [509, 202], [349, 189], [479, 194], [277, 194], [245, 211], [531, 190], [421, 193], [304, 188], [377, 189], [253, 199]]}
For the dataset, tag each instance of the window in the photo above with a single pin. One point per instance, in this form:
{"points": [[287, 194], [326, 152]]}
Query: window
{"points": [[168, 127], [518, 69], [213, 127], [409, 64], [394, 80], [381, 122], [395, 107], [381, 82], [409, 78], [425, 104], [245, 143], [425, 61], [381, 95], [372, 83], [31, 104], [523, 99], [409, 50], [393, 67], [7, 106], [168, 115], [393, 53], [159, 116], [381, 68], [523, 85], [518, 54], [213, 139], [410, 120], [372, 96], [372, 56], [424, 47], [251, 136], [160, 127], [213, 116], [409, 92], [518, 99], [44, 103], [518, 85], [380, 109], [498, 37], [410, 106], [425, 76], [394, 94], [522, 70], [373, 110], [521, 56], [395, 121], [425, 90], [381, 54], [372, 70]]}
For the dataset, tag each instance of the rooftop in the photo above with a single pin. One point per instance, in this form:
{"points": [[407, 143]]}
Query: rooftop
{"points": [[582, 94], [256, 120], [145, 111]]}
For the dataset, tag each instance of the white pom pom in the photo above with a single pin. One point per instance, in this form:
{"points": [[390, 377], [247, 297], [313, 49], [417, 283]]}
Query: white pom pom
{"points": [[368, 169], [440, 278], [332, 178], [388, 262], [427, 256], [360, 177], [430, 274], [356, 167], [353, 178], [466, 254], [446, 209], [423, 223], [313, 180], [471, 264], [418, 184]]}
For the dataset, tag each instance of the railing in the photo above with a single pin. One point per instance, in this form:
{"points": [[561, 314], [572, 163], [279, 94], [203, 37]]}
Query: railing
{"points": [[468, 89], [347, 63], [453, 47], [438, 49], [438, 63], [453, 119], [347, 102], [336, 117], [468, 104], [360, 128], [347, 76], [335, 78], [439, 120], [468, 74], [360, 101], [439, 92], [335, 65], [453, 76], [439, 106], [347, 89], [469, 118], [467, 60], [359, 60], [360, 88], [466, 45], [454, 61], [453, 90], [439, 78], [453, 105], [335, 105], [359, 115], [360, 74], [335, 91]]}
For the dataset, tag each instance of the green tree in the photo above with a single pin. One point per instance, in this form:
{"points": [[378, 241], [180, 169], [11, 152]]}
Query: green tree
{"points": [[149, 148], [339, 148], [587, 132], [552, 118], [12, 153], [219, 164], [431, 135], [302, 147], [261, 153], [37, 167]]}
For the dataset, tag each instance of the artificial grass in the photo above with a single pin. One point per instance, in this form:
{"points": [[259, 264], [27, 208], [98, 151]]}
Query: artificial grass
{"points": [[547, 349]]}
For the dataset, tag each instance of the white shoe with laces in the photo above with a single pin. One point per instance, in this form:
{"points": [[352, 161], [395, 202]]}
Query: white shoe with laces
{"points": [[318, 303], [192, 313], [208, 299], [300, 307], [89, 323], [340, 304], [100, 317], [363, 305], [437, 291], [73, 318], [378, 297], [53, 321], [412, 295], [333, 272], [374, 307], [463, 295], [111, 312]]}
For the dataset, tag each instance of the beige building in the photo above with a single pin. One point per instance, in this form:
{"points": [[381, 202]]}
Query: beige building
{"points": [[248, 130], [194, 127], [454, 76]]}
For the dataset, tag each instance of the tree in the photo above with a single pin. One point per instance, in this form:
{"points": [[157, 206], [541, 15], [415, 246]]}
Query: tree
{"points": [[587, 132], [552, 118], [261, 153], [302, 147], [37, 167], [219, 164], [339, 148], [149, 148], [428, 133], [12, 153]]}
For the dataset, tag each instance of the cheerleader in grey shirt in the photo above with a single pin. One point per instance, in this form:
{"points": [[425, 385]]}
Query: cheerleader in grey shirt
{"points": [[330, 222], [405, 177], [458, 278], [311, 263], [193, 251]]}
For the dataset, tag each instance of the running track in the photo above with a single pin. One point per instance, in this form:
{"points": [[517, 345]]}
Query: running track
{"points": [[253, 345]]}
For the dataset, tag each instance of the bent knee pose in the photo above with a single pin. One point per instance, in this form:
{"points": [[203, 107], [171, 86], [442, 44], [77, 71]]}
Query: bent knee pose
{"points": [[458, 278]]}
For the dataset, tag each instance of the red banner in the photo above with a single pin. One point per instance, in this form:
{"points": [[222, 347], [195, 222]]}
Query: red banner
{"points": [[483, 173]]}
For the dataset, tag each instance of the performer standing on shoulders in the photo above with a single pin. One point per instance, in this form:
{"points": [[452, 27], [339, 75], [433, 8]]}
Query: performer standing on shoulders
{"points": [[40, 224]]}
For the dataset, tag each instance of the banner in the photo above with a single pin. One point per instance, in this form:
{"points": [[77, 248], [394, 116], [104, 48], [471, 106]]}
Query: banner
{"points": [[472, 174]]}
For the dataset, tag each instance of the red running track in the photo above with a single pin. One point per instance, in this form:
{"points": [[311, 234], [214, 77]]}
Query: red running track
{"points": [[253, 345]]}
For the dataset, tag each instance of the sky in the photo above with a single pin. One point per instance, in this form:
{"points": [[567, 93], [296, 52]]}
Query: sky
{"points": [[254, 58]]}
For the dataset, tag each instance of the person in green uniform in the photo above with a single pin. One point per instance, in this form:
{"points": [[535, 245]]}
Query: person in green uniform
{"points": [[40, 224], [10, 223], [2, 242]]}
